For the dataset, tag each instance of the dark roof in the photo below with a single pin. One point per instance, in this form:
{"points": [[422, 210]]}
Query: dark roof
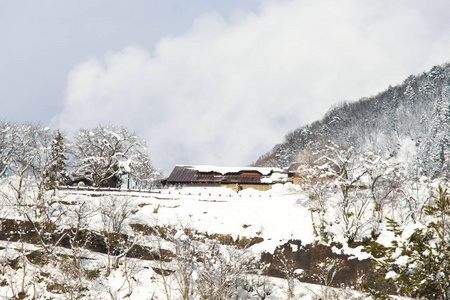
{"points": [[182, 174], [244, 178], [201, 175], [187, 174]]}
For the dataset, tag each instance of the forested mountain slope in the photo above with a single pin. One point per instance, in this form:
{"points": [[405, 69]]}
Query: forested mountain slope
{"points": [[415, 114]]}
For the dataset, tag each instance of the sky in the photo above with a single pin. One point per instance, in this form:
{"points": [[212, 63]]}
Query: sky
{"points": [[207, 81]]}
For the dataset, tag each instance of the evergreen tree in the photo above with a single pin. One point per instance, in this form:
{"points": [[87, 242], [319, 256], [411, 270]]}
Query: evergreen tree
{"points": [[419, 264], [436, 149], [55, 173]]}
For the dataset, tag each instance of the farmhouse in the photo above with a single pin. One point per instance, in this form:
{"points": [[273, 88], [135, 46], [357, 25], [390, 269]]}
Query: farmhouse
{"points": [[236, 178]]}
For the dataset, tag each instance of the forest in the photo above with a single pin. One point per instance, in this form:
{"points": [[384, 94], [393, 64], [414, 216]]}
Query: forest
{"points": [[415, 114]]}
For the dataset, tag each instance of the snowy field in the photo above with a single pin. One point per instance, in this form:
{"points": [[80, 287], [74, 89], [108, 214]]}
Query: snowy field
{"points": [[277, 216]]}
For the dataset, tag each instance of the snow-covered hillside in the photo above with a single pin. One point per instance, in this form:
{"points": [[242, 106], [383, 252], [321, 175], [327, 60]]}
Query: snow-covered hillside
{"points": [[416, 110], [178, 227]]}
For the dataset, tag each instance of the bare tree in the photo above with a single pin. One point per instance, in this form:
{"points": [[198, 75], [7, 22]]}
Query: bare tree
{"points": [[221, 271], [262, 286], [186, 262], [79, 216], [23, 158], [340, 164], [288, 266], [114, 212], [415, 195], [69, 279], [383, 180], [325, 271]]}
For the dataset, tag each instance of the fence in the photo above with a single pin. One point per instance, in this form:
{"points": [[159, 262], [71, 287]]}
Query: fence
{"points": [[104, 189], [149, 191]]}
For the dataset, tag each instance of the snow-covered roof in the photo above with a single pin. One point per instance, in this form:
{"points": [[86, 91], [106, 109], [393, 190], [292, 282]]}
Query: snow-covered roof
{"points": [[206, 173], [224, 170]]}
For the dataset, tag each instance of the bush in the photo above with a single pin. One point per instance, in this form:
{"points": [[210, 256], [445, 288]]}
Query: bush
{"points": [[92, 274]]}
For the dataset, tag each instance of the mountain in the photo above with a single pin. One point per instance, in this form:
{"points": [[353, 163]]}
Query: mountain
{"points": [[414, 114]]}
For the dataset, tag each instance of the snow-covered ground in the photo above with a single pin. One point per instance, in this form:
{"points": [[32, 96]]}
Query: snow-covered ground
{"points": [[146, 284], [277, 216]]}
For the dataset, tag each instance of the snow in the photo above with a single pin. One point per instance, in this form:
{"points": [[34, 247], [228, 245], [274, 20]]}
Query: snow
{"points": [[275, 215], [278, 215], [407, 151], [355, 253], [391, 275], [275, 177], [385, 238], [410, 229]]}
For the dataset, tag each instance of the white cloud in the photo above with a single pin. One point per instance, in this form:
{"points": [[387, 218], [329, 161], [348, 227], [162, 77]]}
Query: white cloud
{"points": [[226, 91]]}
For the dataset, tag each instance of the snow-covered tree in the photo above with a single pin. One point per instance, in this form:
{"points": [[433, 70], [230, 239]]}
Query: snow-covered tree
{"points": [[341, 165], [30, 153], [6, 147], [55, 172], [379, 124], [362, 184], [142, 173], [382, 180], [435, 152], [106, 153]]}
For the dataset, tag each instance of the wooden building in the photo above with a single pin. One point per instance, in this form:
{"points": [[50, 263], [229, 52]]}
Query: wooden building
{"points": [[236, 178]]}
